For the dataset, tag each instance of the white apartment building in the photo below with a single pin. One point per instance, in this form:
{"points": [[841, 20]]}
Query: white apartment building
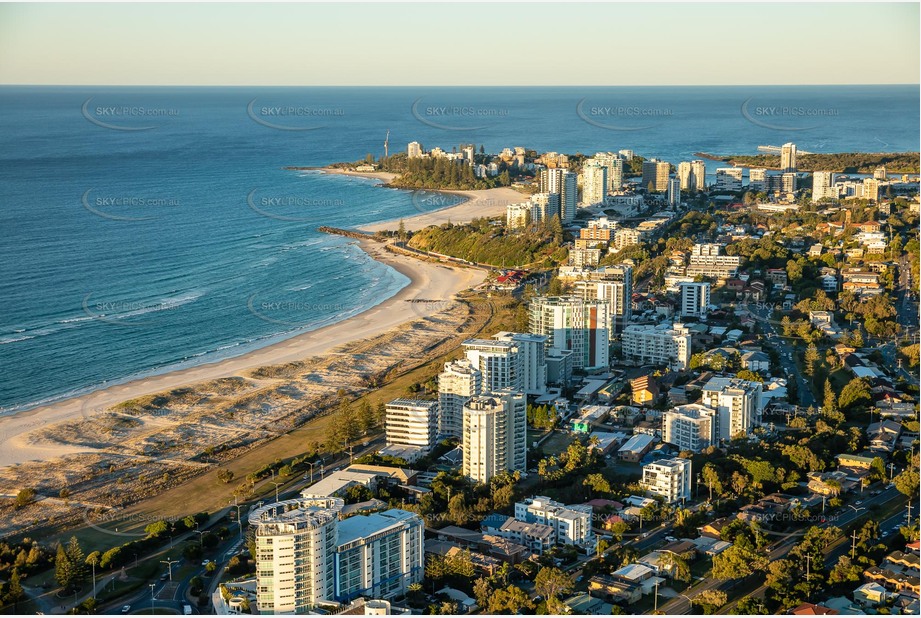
{"points": [[520, 215], [823, 186], [571, 323], [613, 285], [708, 260], [495, 435], [565, 184], [657, 344], [669, 478], [412, 422], [695, 298], [572, 524], [594, 182], [295, 554], [689, 427], [379, 556], [305, 555], [729, 178], [545, 206], [498, 361], [615, 164], [757, 179], [625, 237], [692, 175], [459, 381], [737, 404], [414, 150], [532, 360]]}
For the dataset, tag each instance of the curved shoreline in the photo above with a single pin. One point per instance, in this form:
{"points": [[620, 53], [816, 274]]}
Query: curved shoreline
{"points": [[426, 280], [476, 203]]}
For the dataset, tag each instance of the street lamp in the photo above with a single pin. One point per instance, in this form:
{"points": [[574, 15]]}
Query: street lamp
{"points": [[277, 485], [201, 537], [169, 565], [152, 597]]}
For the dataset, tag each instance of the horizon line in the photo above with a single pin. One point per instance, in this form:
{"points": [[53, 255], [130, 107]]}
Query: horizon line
{"points": [[455, 85]]}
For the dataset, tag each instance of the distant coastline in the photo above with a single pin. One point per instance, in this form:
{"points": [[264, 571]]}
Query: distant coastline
{"points": [[843, 162]]}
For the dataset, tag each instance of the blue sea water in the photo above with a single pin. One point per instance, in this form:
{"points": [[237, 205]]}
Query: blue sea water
{"points": [[147, 229]]}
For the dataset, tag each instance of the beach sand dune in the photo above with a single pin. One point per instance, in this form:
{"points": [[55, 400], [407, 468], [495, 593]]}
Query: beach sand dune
{"points": [[24, 436]]}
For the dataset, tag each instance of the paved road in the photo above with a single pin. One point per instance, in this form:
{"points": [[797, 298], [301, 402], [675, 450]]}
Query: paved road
{"points": [[786, 351]]}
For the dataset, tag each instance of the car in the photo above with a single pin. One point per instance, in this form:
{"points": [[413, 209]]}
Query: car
{"points": [[858, 503], [186, 609], [126, 609], [164, 577], [670, 539]]}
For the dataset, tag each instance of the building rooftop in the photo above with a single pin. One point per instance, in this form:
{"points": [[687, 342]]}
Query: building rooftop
{"points": [[637, 442], [363, 526]]}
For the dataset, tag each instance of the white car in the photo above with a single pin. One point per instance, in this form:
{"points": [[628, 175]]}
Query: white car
{"points": [[126, 609], [670, 539]]}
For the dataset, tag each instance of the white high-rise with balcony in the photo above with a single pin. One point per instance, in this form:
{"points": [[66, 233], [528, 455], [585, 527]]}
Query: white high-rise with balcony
{"points": [[532, 360], [594, 182], [295, 554], [495, 435], [690, 427], [695, 298], [412, 422], [571, 323], [669, 478], [498, 361], [459, 381], [737, 403], [306, 555]]}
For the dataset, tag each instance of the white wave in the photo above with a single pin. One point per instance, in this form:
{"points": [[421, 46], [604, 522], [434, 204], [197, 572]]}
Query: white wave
{"points": [[15, 339]]}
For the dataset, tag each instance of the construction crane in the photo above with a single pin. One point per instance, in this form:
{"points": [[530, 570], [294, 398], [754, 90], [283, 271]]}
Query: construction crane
{"points": [[386, 142]]}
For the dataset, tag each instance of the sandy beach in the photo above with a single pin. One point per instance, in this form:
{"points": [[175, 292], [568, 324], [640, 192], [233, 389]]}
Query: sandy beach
{"points": [[484, 203], [445, 206], [429, 281]]}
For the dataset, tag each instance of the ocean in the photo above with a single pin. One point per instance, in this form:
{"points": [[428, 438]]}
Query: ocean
{"points": [[150, 229]]}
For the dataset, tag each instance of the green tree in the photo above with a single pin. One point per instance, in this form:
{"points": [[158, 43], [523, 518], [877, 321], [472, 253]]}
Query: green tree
{"points": [[156, 528], [709, 601], [367, 420], [830, 400], [907, 480], [711, 478], [63, 569], [738, 561], [14, 592], [855, 393], [810, 358], [24, 497], [844, 572], [551, 583]]}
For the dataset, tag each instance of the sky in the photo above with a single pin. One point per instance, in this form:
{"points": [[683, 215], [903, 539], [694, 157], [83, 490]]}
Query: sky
{"points": [[459, 44]]}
